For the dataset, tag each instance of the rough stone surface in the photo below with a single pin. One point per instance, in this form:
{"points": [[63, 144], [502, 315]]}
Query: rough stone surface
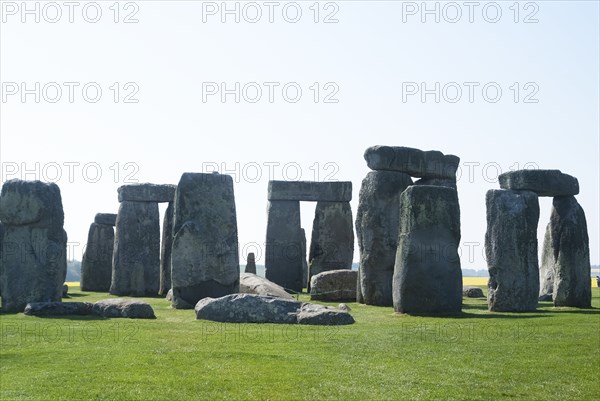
{"points": [[120, 307], [204, 259], [96, 264], [65, 292], [109, 219], [427, 274], [332, 240], [146, 193], [253, 284], [58, 308], [33, 249], [136, 255], [377, 222], [250, 264], [438, 182], [471, 291], [414, 162], [542, 182], [166, 248], [330, 191], [250, 308], [304, 260], [565, 271], [283, 250], [511, 250], [334, 285]]}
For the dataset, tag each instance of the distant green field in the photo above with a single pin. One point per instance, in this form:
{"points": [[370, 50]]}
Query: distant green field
{"points": [[551, 354]]}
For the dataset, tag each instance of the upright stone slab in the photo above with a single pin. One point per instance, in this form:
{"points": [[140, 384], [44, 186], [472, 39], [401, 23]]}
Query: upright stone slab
{"points": [[96, 264], [204, 259], [283, 254], [332, 240], [377, 223], [250, 263], [511, 250], [427, 275], [542, 182], [136, 254], [414, 162], [33, 244], [304, 261], [566, 255], [165, 251], [146, 193]]}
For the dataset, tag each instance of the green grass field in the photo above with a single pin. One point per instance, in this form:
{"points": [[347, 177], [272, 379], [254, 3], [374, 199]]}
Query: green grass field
{"points": [[553, 353]]}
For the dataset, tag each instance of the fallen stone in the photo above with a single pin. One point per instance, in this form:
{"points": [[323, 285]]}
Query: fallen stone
{"points": [[414, 162], [58, 308], [253, 284], [315, 191], [96, 264], [120, 307], [511, 250], [471, 291], [377, 222], [542, 182], [428, 248], [334, 285], [33, 243], [108, 219], [545, 298], [136, 255], [166, 248], [344, 308], [146, 193], [250, 264], [204, 258], [566, 255], [332, 240], [313, 314]]}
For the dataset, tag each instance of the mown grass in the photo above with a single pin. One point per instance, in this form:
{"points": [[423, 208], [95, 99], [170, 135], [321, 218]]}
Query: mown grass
{"points": [[553, 353]]}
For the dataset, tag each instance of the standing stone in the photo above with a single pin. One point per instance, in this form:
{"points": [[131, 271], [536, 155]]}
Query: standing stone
{"points": [[204, 259], [165, 251], [136, 254], [96, 264], [377, 223], [304, 261], [414, 162], [33, 244], [332, 240], [250, 264], [283, 255], [566, 270], [511, 250], [427, 274]]}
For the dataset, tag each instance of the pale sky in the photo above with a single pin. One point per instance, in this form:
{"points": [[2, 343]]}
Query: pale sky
{"points": [[361, 74]]}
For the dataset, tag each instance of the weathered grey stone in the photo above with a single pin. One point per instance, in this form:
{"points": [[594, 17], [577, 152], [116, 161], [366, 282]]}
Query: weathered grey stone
{"points": [[283, 250], [328, 191], [250, 264], [332, 240], [377, 223], [427, 274], [96, 264], [511, 250], [414, 162], [304, 260], [545, 298], [471, 291], [169, 296], [542, 182], [136, 255], [109, 219], [253, 284], [65, 291], [120, 307], [438, 182], [33, 244], [58, 308], [566, 269], [166, 249], [359, 295], [344, 308], [204, 259], [146, 193], [251, 308], [334, 285], [248, 308]]}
